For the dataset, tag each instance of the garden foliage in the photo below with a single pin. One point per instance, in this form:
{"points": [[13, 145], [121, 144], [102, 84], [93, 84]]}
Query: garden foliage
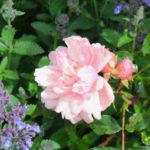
{"points": [[31, 29]]}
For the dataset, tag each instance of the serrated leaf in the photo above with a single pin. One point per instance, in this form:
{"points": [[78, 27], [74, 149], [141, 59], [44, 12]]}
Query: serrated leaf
{"points": [[107, 125], [3, 47], [124, 39], [11, 74], [29, 48], [137, 122], [8, 35], [111, 36], [146, 45], [42, 27], [3, 64], [49, 144], [31, 109]]}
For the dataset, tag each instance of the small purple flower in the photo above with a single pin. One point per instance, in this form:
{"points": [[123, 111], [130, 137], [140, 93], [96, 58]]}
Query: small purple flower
{"points": [[14, 131], [24, 147], [7, 143], [118, 9], [141, 38], [147, 2]]}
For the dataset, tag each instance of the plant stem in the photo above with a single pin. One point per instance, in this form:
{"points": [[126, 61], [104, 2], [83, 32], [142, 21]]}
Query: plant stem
{"points": [[134, 40], [104, 7], [123, 127], [96, 11], [55, 40], [9, 3], [9, 56], [106, 142], [147, 66]]}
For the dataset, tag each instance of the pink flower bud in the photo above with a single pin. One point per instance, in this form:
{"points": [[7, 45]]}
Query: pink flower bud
{"points": [[125, 69], [111, 64]]}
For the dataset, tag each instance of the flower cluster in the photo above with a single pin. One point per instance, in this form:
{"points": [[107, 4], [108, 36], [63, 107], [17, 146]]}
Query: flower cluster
{"points": [[61, 24], [123, 70], [14, 132], [74, 6], [133, 5], [74, 87]]}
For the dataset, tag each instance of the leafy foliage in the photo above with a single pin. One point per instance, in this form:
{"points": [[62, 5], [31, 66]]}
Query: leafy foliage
{"points": [[29, 34]]}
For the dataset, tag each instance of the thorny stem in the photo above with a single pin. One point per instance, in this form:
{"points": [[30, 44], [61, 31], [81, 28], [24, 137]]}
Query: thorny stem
{"points": [[106, 142], [123, 127]]}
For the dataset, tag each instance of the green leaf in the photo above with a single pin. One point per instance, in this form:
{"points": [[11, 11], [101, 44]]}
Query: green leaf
{"points": [[139, 15], [42, 27], [43, 61], [42, 17], [14, 100], [146, 24], [124, 54], [111, 36], [107, 125], [139, 148], [24, 4], [146, 45], [29, 48], [82, 23], [8, 35], [3, 47], [105, 148], [11, 74], [49, 144], [61, 137], [124, 39], [90, 138], [31, 109], [3, 64], [29, 37], [142, 61], [19, 13], [145, 138], [137, 122], [56, 6], [27, 76]]}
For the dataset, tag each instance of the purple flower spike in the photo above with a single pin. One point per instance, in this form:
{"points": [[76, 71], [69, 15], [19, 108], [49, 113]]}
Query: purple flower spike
{"points": [[147, 2], [8, 143], [118, 9], [14, 130]]}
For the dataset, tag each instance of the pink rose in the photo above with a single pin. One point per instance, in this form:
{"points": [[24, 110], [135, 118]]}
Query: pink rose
{"points": [[73, 86], [125, 69], [111, 64]]}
